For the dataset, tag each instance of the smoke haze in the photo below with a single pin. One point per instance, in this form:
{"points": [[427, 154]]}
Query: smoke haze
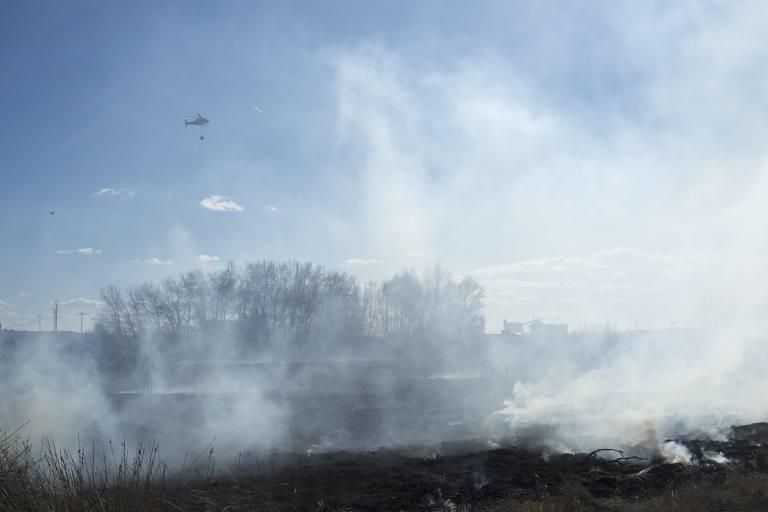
{"points": [[597, 165]]}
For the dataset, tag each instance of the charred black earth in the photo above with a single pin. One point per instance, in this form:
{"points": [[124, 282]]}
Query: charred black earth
{"points": [[467, 474]]}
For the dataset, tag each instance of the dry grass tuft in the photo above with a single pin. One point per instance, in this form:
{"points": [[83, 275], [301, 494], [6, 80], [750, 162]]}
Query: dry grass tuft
{"points": [[57, 479]]}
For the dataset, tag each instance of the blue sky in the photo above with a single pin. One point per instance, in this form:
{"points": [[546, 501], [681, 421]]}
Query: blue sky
{"points": [[587, 163]]}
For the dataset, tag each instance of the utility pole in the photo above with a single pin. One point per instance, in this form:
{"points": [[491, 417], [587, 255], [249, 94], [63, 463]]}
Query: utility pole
{"points": [[81, 321], [56, 316]]}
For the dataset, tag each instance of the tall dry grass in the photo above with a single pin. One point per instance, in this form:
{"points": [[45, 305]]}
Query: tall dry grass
{"points": [[117, 479]]}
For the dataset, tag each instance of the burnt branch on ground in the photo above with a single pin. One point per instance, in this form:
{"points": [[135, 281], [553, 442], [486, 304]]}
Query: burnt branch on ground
{"points": [[591, 458]]}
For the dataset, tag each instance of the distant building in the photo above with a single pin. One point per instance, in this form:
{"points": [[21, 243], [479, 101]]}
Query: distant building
{"points": [[513, 328], [533, 329]]}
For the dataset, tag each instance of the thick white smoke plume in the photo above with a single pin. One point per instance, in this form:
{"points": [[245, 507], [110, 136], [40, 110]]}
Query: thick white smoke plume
{"points": [[481, 161]]}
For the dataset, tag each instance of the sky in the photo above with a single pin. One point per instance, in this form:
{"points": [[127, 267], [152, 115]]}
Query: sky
{"points": [[590, 163]]}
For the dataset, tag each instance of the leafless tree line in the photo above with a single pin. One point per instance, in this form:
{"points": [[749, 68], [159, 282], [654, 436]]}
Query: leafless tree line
{"points": [[298, 301]]}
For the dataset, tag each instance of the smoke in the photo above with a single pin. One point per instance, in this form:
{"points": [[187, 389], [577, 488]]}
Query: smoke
{"points": [[256, 358], [676, 453], [634, 389], [55, 389], [60, 388], [641, 207], [192, 394], [643, 212], [622, 184]]}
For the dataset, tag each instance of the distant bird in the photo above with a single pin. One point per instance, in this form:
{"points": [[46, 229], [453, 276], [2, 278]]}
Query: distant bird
{"points": [[51, 212], [257, 109]]}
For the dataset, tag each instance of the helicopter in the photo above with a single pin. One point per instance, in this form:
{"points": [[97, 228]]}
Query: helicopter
{"points": [[197, 121]]}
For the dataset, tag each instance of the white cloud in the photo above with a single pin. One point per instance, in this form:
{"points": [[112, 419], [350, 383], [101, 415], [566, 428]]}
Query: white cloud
{"points": [[270, 208], [123, 193], [204, 258], [157, 261], [219, 203], [87, 251], [361, 262]]}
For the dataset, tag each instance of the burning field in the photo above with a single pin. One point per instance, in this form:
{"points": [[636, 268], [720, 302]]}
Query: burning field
{"points": [[684, 474], [465, 475], [565, 424]]}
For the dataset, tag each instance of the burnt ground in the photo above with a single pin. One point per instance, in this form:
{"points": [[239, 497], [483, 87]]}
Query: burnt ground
{"points": [[427, 477], [413, 480], [746, 446]]}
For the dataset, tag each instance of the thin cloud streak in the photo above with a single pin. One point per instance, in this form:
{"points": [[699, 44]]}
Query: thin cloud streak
{"points": [[86, 251], [361, 262], [122, 193], [157, 261]]}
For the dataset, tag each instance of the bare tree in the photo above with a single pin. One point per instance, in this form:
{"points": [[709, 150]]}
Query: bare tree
{"points": [[403, 296], [223, 285], [115, 309], [298, 303]]}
